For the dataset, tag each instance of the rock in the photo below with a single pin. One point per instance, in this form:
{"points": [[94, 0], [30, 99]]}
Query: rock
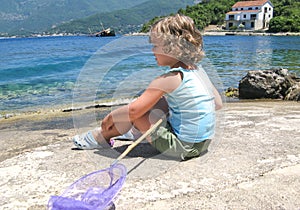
{"points": [[232, 92], [70, 109], [293, 93], [273, 83]]}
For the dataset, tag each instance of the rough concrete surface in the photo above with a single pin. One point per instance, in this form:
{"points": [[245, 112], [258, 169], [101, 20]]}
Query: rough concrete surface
{"points": [[254, 163]]}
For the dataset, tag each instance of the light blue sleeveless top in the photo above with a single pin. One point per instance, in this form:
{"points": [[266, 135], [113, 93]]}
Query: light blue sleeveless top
{"points": [[192, 107]]}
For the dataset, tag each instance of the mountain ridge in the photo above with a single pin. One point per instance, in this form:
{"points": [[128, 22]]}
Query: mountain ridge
{"points": [[123, 21], [18, 16]]}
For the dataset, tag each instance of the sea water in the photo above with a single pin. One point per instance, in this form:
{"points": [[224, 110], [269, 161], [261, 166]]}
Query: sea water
{"points": [[43, 72]]}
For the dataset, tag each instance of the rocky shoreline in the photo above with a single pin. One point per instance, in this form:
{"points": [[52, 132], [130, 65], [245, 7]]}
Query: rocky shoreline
{"points": [[247, 33], [267, 84], [208, 32], [254, 162]]}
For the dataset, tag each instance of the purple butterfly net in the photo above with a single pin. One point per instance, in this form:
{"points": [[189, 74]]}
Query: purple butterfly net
{"points": [[92, 192]]}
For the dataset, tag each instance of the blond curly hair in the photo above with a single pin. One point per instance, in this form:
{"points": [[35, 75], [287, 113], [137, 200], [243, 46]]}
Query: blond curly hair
{"points": [[179, 38]]}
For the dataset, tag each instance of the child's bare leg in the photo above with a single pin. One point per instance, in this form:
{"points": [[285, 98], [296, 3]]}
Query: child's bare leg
{"points": [[98, 138], [144, 123], [102, 136]]}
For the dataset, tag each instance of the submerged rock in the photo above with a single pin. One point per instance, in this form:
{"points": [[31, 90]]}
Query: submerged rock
{"points": [[273, 83], [232, 92]]}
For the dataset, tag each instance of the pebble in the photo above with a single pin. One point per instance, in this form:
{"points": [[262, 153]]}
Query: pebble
{"points": [[8, 115]]}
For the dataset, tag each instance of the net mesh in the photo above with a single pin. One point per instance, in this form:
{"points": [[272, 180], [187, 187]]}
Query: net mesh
{"points": [[93, 191]]}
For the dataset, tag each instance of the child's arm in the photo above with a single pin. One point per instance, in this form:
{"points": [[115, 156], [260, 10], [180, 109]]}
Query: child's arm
{"points": [[218, 99], [145, 102], [134, 110]]}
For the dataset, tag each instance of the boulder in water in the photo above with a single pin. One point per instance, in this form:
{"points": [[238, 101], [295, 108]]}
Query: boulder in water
{"points": [[273, 84]]}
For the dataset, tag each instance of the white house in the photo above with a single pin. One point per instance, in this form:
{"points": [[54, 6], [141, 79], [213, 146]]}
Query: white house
{"points": [[250, 15]]}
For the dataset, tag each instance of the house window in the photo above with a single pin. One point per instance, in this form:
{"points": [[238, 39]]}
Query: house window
{"points": [[253, 16], [244, 24], [230, 25], [269, 16], [256, 8], [242, 8], [236, 9], [250, 8], [270, 9], [252, 24], [245, 16], [266, 9], [231, 17]]}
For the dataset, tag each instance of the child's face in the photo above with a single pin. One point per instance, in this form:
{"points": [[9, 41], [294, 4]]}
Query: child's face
{"points": [[162, 58]]}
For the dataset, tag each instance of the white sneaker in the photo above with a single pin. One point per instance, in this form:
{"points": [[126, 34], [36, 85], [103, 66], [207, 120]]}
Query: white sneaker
{"points": [[132, 134], [87, 141]]}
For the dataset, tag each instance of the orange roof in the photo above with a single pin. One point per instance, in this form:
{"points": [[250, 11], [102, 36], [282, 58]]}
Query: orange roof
{"points": [[242, 11], [249, 3]]}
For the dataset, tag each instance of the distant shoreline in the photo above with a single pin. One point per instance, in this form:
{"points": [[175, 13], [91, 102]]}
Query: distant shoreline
{"points": [[247, 33], [232, 33], [204, 33]]}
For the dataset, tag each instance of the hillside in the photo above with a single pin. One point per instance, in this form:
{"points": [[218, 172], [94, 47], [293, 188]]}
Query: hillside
{"points": [[286, 14], [123, 21], [29, 16]]}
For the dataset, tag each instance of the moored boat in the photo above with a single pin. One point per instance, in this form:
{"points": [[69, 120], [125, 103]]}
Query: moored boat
{"points": [[105, 32]]}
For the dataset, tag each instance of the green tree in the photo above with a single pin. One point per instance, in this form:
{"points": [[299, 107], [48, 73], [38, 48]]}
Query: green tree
{"points": [[146, 26], [286, 14]]}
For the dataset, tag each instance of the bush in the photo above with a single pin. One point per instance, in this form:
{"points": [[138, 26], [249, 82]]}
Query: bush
{"points": [[283, 24], [233, 28]]}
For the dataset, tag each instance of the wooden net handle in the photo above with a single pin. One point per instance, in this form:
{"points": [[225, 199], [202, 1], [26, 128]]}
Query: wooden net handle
{"points": [[139, 140]]}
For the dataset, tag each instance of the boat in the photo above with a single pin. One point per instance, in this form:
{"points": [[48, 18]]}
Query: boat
{"points": [[105, 32]]}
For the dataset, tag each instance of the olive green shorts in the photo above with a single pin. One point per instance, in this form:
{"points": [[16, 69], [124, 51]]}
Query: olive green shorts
{"points": [[166, 142]]}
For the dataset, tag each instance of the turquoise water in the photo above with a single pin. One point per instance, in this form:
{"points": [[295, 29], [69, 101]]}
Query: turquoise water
{"points": [[42, 72], [233, 56]]}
